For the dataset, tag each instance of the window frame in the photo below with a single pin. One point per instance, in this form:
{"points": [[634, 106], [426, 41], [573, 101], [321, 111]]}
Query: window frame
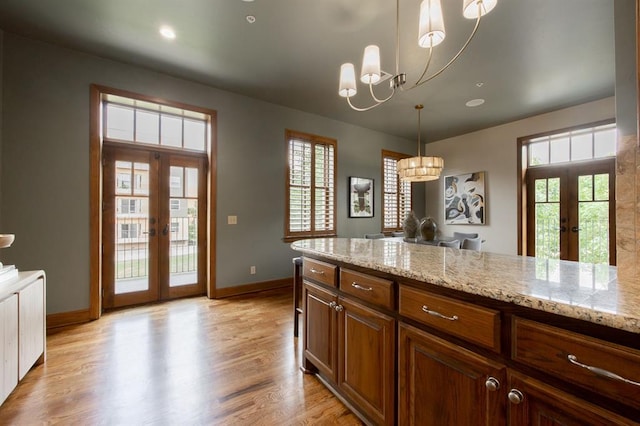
{"points": [[398, 194], [314, 140]]}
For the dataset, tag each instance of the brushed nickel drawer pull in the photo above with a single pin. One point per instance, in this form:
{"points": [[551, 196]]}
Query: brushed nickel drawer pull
{"points": [[438, 314], [600, 371], [359, 287], [315, 271]]}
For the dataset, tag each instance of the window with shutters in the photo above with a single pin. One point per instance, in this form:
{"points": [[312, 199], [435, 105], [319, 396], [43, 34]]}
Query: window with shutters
{"points": [[396, 196], [311, 186]]}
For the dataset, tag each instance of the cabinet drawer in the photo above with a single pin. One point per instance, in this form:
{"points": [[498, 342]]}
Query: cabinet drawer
{"points": [[368, 288], [470, 322], [600, 366], [321, 272]]}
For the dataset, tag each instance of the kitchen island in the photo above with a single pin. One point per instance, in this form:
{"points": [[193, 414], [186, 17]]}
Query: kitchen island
{"points": [[415, 334]]}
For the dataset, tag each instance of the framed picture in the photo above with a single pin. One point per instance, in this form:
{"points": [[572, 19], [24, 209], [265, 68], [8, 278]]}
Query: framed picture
{"points": [[360, 197], [464, 199]]}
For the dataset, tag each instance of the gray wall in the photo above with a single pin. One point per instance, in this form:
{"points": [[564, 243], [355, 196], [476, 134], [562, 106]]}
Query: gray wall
{"points": [[626, 76], [494, 151], [45, 174]]}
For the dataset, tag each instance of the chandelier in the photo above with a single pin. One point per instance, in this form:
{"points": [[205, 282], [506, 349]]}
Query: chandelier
{"points": [[430, 34], [420, 169]]}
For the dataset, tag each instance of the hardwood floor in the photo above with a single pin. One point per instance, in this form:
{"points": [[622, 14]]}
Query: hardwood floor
{"points": [[192, 361]]}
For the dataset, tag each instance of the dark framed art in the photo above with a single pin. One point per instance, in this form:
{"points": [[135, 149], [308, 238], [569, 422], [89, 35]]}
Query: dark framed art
{"points": [[464, 199], [360, 197]]}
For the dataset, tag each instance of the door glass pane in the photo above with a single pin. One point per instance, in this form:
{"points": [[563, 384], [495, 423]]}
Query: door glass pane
{"points": [[183, 229], [593, 219], [547, 219], [131, 222]]}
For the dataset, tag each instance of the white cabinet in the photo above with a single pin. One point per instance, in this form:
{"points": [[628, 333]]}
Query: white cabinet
{"points": [[22, 328], [31, 325], [8, 345]]}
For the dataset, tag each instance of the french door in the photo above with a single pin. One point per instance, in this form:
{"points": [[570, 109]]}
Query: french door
{"points": [[154, 228], [571, 212]]}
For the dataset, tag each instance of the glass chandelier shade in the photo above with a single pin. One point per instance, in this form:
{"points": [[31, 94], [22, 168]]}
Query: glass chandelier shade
{"points": [[471, 8], [347, 80], [370, 65], [419, 169], [431, 25]]}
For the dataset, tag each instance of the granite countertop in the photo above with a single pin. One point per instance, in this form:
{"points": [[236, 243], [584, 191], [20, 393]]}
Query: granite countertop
{"points": [[577, 290]]}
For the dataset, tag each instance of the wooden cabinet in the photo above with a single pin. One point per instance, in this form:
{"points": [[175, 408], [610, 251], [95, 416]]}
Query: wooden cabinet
{"points": [[351, 344], [404, 352], [534, 403], [601, 367], [444, 384], [22, 328], [8, 345], [320, 327], [366, 354]]}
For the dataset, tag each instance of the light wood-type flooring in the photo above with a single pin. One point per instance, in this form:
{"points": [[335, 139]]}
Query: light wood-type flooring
{"points": [[188, 362]]}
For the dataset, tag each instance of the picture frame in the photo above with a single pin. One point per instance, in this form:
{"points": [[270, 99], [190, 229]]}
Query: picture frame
{"points": [[361, 200], [465, 200]]}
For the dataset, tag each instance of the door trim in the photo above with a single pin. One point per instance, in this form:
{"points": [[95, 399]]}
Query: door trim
{"points": [[521, 162], [95, 192]]}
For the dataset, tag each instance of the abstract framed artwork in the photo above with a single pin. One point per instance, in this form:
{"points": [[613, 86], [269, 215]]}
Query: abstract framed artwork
{"points": [[360, 197], [464, 199]]}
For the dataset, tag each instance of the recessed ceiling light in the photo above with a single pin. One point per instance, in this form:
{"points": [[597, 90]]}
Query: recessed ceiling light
{"points": [[479, 84], [475, 102], [248, 1], [251, 19], [167, 32]]}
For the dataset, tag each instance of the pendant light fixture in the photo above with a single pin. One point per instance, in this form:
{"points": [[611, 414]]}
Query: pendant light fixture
{"points": [[430, 34], [420, 169]]}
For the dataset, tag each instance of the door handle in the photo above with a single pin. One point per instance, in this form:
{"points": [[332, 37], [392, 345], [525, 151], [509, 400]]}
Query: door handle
{"points": [[563, 228], [165, 230], [575, 229], [151, 233]]}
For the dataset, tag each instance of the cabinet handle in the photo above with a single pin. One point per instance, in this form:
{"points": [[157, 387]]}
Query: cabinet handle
{"points": [[359, 287], [333, 305], [600, 371], [438, 314], [515, 396], [315, 271], [339, 308], [492, 384]]}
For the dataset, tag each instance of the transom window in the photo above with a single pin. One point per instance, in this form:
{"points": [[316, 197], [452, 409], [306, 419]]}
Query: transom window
{"points": [[136, 121], [396, 197], [311, 186], [578, 145]]}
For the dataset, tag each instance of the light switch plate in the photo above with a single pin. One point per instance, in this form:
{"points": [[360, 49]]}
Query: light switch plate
{"points": [[232, 220]]}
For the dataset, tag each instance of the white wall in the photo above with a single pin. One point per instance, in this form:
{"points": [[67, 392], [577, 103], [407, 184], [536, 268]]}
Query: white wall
{"points": [[494, 151], [45, 167]]}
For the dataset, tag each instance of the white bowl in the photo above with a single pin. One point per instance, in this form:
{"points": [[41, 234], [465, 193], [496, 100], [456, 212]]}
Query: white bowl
{"points": [[6, 240]]}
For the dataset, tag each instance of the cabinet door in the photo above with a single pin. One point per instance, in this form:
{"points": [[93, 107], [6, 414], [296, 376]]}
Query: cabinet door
{"points": [[444, 384], [320, 319], [366, 354], [31, 325], [533, 403], [8, 345]]}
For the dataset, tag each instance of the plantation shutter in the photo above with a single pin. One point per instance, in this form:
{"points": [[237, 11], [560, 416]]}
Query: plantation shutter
{"points": [[396, 200]]}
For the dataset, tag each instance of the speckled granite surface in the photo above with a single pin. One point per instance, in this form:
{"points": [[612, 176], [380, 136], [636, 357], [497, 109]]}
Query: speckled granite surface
{"points": [[577, 290]]}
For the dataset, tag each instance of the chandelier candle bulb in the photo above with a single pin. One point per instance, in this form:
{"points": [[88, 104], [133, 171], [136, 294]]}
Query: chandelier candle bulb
{"points": [[370, 65]]}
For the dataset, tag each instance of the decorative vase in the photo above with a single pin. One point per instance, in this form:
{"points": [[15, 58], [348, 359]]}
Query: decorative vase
{"points": [[410, 225], [428, 229]]}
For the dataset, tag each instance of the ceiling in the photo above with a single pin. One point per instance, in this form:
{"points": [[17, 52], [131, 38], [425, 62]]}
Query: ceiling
{"points": [[530, 56]]}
